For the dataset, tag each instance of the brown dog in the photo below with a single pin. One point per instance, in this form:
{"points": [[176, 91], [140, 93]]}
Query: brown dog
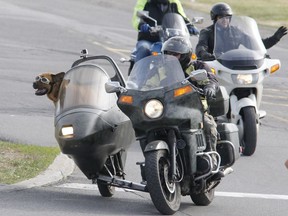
{"points": [[48, 83]]}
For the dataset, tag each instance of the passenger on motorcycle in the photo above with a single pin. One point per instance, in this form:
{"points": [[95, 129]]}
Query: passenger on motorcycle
{"points": [[223, 11], [156, 9], [182, 49]]}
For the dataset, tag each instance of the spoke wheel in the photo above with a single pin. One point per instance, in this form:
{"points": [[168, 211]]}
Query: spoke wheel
{"points": [[165, 194]]}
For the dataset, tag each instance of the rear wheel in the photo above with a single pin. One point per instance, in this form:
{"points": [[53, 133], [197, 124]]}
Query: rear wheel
{"points": [[250, 131], [105, 189], [165, 194]]}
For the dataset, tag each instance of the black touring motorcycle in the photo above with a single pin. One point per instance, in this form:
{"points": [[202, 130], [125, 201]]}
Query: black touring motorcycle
{"points": [[167, 115]]}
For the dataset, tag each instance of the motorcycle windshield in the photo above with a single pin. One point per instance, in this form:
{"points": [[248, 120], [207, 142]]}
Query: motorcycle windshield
{"points": [[173, 25], [238, 37], [155, 72], [84, 87]]}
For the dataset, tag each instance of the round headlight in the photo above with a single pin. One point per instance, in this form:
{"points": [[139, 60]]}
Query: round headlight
{"points": [[153, 108]]}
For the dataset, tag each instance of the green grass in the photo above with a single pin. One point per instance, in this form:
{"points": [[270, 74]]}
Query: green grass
{"points": [[19, 162], [265, 12]]}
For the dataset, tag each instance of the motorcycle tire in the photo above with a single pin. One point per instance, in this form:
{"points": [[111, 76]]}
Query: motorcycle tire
{"points": [[105, 189], [250, 131], [203, 199], [165, 195]]}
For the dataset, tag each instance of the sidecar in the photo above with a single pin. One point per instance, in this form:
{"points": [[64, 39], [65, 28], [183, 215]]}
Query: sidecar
{"points": [[89, 127]]}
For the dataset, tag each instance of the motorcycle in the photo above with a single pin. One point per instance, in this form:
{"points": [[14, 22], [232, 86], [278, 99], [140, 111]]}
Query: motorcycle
{"points": [[172, 25], [241, 66], [89, 127], [167, 115]]}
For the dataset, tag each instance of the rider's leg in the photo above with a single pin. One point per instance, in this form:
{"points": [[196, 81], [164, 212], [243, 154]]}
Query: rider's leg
{"points": [[210, 130]]}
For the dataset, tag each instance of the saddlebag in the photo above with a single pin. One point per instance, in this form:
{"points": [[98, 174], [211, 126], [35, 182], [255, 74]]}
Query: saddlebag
{"points": [[220, 105], [228, 147]]}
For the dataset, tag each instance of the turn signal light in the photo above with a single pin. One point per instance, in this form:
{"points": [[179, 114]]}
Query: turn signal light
{"points": [[274, 68], [126, 99], [193, 56], [183, 90], [213, 71]]}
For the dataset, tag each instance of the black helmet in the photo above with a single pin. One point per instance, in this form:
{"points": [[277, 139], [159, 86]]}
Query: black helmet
{"points": [[220, 9], [160, 1], [179, 45]]}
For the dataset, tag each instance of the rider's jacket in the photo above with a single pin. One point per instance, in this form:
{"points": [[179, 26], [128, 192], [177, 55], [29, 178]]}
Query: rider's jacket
{"points": [[210, 81], [156, 11], [206, 41]]}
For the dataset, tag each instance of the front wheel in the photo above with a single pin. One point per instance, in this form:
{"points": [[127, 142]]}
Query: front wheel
{"points": [[165, 194], [250, 131]]}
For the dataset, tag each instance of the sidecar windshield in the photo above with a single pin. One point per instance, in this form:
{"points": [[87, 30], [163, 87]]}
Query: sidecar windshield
{"points": [[238, 34], [84, 86], [154, 72], [173, 25]]}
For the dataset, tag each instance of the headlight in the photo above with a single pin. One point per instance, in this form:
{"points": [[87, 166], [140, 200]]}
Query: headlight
{"points": [[245, 79], [153, 109], [67, 131]]}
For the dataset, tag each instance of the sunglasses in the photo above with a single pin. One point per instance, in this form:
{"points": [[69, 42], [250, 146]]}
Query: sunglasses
{"points": [[224, 17], [42, 79]]}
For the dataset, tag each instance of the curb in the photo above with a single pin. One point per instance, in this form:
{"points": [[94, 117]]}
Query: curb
{"points": [[61, 167]]}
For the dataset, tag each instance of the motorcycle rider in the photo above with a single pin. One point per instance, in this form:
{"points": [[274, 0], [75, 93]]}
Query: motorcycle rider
{"points": [[157, 9], [181, 48], [205, 46]]}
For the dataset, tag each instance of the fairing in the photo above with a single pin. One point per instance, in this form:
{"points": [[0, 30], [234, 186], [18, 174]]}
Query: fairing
{"points": [[173, 25], [239, 46], [100, 128]]}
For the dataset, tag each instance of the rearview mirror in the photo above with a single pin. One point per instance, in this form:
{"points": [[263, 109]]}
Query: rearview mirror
{"points": [[142, 14], [145, 14], [197, 20], [198, 75], [114, 86]]}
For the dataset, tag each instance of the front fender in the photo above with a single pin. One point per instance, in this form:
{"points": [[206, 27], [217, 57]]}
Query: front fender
{"points": [[236, 105], [156, 145]]}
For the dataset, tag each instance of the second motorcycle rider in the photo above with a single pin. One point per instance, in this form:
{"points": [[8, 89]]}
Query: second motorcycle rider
{"points": [[156, 9]]}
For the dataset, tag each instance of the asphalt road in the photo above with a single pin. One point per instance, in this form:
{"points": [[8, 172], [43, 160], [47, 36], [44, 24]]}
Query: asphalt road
{"points": [[39, 36]]}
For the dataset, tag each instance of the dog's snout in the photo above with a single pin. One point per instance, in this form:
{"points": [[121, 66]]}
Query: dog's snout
{"points": [[34, 85]]}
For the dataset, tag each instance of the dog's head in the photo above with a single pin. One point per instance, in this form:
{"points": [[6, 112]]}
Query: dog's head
{"points": [[48, 83]]}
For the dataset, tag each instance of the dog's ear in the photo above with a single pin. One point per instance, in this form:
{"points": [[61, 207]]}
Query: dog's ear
{"points": [[58, 77]]}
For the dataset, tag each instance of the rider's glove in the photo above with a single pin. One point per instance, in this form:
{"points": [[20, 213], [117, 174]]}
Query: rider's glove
{"points": [[210, 92], [280, 32], [145, 27], [192, 30], [207, 57]]}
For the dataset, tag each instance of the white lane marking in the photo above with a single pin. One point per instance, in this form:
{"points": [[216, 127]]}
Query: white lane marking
{"points": [[275, 104], [252, 195], [217, 193]]}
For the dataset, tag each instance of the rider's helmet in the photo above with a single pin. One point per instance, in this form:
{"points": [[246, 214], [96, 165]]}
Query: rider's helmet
{"points": [[179, 45], [220, 9], [160, 1]]}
